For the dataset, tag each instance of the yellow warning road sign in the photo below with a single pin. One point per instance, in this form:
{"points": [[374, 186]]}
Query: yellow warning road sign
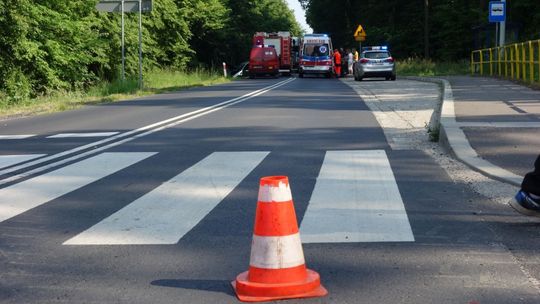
{"points": [[360, 34]]}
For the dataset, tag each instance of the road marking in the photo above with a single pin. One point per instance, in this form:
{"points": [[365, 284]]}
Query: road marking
{"points": [[34, 192], [10, 160], [96, 134], [16, 136], [130, 135], [356, 199], [166, 214]]}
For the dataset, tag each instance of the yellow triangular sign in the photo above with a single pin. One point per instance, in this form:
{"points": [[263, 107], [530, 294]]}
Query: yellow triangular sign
{"points": [[360, 32]]}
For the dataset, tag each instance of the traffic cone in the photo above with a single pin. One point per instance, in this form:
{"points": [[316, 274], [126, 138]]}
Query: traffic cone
{"points": [[277, 268]]}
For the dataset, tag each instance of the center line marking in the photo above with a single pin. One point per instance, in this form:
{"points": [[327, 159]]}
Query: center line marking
{"points": [[129, 136], [96, 134]]}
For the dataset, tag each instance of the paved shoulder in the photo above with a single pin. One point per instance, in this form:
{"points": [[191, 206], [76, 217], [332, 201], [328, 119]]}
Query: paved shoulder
{"points": [[501, 120]]}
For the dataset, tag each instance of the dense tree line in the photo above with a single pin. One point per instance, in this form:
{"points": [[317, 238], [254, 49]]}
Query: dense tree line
{"points": [[65, 44], [455, 27]]}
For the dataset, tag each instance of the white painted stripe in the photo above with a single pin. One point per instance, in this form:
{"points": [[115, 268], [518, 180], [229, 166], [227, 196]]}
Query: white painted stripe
{"points": [[34, 192], [16, 136], [276, 252], [10, 160], [356, 199], [269, 194], [96, 134], [166, 214]]}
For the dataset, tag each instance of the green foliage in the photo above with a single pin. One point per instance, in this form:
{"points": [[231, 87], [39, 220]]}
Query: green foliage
{"points": [[250, 16], [156, 81], [400, 24], [65, 45], [426, 67]]}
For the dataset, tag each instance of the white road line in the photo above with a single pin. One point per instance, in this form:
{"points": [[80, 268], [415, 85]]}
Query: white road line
{"points": [[10, 160], [16, 136], [132, 135], [34, 192], [166, 214], [96, 134], [356, 199]]}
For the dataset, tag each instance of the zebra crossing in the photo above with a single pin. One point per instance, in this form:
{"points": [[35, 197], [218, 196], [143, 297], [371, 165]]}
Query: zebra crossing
{"points": [[356, 198]]}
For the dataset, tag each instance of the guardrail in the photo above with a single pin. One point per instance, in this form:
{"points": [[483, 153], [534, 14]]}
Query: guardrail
{"points": [[519, 61]]}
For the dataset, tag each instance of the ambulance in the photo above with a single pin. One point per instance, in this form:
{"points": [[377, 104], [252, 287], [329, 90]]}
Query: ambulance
{"points": [[316, 56]]}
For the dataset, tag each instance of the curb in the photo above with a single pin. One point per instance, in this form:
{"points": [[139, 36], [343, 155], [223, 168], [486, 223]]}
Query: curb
{"points": [[454, 140]]}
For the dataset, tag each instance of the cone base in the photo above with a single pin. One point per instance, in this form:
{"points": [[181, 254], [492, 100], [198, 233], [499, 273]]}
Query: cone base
{"points": [[259, 292]]}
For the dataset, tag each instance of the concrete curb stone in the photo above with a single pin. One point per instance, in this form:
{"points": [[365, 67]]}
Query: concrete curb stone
{"points": [[454, 140]]}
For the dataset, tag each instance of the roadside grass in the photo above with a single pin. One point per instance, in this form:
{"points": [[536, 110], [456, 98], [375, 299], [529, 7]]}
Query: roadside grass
{"points": [[155, 82], [426, 67]]}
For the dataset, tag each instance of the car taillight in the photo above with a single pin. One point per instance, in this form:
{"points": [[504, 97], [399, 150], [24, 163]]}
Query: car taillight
{"points": [[363, 61], [391, 60]]}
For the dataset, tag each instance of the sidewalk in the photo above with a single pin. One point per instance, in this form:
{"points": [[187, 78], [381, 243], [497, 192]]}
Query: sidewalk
{"points": [[492, 125]]}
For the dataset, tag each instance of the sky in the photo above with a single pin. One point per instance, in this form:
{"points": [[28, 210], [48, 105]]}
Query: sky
{"points": [[299, 13]]}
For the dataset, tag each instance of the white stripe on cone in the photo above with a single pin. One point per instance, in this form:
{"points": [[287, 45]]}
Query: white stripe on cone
{"points": [[276, 252], [269, 194]]}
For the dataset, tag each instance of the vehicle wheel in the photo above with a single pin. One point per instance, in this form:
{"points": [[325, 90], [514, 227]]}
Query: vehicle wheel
{"points": [[301, 75], [388, 78], [328, 75], [360, 78], [393, 78]]}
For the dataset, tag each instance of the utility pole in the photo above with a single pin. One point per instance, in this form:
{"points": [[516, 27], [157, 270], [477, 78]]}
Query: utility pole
{"points": [[141, 85], [426, 29], [123, 44]]}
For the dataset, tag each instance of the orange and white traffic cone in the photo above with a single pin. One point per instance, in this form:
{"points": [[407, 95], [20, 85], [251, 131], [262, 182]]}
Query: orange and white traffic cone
{"points": [[277, 268]]}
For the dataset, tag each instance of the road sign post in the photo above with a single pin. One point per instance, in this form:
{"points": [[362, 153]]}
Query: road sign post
{"points": [[360, 36], [127, 6], [497, 14]]}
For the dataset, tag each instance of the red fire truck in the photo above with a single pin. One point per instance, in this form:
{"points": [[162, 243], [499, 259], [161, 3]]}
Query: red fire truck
{"points": [[282, 42]]}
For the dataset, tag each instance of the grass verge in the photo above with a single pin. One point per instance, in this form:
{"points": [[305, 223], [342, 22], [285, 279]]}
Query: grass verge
{"points": [[158, 81], [426, 67]]}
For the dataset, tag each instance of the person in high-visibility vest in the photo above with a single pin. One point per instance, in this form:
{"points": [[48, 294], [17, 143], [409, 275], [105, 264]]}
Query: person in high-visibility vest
{"points": [[337, 62], [356, 55]]}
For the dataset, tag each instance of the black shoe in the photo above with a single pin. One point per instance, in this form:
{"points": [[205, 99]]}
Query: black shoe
{"points": [[525, 204]]}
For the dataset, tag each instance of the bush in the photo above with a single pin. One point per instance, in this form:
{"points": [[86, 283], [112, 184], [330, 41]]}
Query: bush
{"points": [[17, 87], [426, 67]]}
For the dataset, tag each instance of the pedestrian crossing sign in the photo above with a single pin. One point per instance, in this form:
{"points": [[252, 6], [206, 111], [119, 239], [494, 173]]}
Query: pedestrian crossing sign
{"points": [[360, 34]]}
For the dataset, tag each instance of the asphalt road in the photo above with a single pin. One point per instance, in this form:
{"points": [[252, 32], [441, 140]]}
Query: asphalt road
{"points": [[158, 207]]}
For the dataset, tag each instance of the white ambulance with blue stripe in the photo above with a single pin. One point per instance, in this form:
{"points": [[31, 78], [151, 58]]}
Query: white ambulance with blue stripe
{"points": [[316, 56]]}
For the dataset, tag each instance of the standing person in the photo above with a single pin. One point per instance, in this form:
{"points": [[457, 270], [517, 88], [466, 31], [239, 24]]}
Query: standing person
{"points": [[527, 200], [350, 61], [337, 62], [344, 69], [356, 55]]}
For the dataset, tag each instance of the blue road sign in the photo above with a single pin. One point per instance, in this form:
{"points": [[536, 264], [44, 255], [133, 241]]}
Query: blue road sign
{"points": [[497, 11]]}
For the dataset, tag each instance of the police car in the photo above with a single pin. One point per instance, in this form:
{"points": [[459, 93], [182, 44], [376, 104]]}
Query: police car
{"points": [[375, 61]]}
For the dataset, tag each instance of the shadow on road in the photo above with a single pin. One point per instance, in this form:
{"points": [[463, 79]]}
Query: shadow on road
{"points": [[223, 286]]}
